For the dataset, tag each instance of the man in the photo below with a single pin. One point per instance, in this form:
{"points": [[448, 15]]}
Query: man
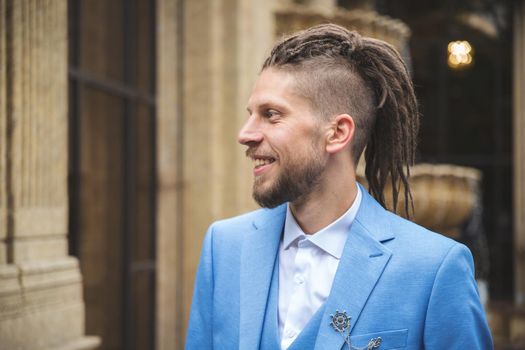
{"points": [[324, 265]]}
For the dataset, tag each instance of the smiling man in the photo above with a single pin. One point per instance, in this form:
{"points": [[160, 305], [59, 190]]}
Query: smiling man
{"points": [[323, 265]]}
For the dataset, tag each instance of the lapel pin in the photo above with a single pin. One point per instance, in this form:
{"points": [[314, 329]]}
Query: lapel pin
{"points": [[374, 343], [341, 324]]}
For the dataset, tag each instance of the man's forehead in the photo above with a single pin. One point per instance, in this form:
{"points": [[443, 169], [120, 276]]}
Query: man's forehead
{"points": [[274, 87]]}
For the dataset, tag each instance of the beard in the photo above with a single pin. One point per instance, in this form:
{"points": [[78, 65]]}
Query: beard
{"points": [[294, 184]]}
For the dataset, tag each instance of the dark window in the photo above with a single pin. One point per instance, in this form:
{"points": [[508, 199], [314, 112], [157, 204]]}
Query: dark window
{"points": [[466, 114], [112, 179]]}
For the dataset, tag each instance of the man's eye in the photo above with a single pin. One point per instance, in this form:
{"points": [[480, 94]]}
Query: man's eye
{"points": [[271, 113]]}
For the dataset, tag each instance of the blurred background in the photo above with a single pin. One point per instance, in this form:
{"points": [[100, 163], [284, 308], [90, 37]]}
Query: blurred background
{"points": [[118, 123]]}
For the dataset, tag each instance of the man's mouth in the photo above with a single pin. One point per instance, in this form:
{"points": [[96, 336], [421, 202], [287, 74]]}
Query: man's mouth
{"points": [[260, 162]]}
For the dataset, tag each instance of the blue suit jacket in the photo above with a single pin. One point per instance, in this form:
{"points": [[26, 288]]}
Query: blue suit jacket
{"points": [[413, 288]]}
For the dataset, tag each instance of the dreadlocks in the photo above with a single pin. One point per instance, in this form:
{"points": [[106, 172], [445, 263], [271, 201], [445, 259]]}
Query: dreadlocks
{"points": [[343, 72]]}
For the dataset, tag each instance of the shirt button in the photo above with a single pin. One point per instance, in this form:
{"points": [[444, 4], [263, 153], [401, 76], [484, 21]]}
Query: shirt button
{"points": [[290, 333], [299, 279]]}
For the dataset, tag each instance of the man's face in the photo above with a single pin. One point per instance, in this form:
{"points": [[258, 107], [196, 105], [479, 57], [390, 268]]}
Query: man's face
{"points": [[284, 139]]}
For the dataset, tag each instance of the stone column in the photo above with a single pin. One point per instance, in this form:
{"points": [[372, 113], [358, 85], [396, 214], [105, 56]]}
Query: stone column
{"points": [[3, 131], [225, 43], [41, 305], [519, 154], [170, 317], [290, 18]]}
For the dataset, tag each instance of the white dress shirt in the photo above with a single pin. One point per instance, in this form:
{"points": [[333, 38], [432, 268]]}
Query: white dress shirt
{"points": [[307, 266]]}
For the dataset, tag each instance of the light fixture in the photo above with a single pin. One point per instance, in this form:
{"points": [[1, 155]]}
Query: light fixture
{"points": [[460, 54]]}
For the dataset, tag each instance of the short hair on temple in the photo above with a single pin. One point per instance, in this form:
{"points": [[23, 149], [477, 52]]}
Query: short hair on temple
{"points": [[340, 71]]}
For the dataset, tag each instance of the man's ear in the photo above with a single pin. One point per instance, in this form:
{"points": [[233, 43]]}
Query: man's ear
{"points": [[340, 133]]}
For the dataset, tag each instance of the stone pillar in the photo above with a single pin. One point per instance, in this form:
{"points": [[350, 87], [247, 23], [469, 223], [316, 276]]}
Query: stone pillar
{"points": [[169, 311], [519, 154], [225, 43], [3, 132], [41, 305], [290, 18]]}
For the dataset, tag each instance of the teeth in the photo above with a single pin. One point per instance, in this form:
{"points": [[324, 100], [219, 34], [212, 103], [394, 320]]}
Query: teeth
{"points": [[260, 162]]}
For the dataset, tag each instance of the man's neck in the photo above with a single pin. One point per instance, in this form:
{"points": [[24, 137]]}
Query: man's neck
{"points": [[325, 206]]}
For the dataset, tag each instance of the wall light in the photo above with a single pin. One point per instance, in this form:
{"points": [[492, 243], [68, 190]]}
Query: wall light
{"points": [[460, 54]]}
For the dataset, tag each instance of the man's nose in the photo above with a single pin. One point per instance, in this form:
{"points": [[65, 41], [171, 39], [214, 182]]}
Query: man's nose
{"points": [[250, 132]]}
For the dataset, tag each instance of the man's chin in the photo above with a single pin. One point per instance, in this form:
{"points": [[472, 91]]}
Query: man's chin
{"points": [[266, 201]]}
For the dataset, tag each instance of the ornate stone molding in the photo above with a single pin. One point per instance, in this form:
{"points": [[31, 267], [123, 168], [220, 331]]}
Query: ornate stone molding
{"points": [[290, 18], [41, 303], [38, 135]]}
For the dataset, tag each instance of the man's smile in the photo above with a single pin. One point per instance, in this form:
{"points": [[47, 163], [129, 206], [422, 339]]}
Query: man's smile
{"points": [[261, 163]]}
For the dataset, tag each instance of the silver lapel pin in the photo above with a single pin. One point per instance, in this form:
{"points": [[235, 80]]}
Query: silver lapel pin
{"points": [[374, 343], [341, 323]]}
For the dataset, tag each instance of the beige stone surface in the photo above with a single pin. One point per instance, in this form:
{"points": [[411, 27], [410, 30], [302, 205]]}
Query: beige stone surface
{"points": [[43, 328], [225, 44], [200, 118], [34, 249], [40, 221], [41, 303], [3, 122], [3, 252], [517, 328], [256, 36], [9, 279], [290, 18], [498, 317], [85, 343], [38, 115], [169, 314]]}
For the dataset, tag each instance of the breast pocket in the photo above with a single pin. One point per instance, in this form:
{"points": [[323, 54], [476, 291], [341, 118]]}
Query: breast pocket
{"points": [[396, 339]]}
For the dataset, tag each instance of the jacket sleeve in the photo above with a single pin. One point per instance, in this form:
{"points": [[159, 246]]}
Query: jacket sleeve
{"points": [[200, 331], [455, 318]]}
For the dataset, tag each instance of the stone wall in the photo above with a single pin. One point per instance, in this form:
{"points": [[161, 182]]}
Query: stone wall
{"points": [[41, 305]]}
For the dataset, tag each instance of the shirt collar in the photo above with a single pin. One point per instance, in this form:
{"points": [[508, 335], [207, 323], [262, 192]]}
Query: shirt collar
{"points": [[331, 238]]}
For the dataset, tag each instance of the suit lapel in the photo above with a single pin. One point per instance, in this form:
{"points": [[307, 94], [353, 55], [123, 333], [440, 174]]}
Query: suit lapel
{"points": [[362, 263], [258, 257]]}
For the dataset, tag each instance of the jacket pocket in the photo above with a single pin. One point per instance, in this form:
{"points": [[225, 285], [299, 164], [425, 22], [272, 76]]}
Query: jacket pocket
{"points": [[396, 339]]}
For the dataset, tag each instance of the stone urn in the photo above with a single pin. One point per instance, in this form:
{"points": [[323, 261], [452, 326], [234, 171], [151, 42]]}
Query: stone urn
{"points": [[444, 196]]}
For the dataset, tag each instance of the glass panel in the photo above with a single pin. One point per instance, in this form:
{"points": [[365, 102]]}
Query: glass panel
{"points": [[143, 248], [467, 114], [101, 212], [102, 39], [113, 41], [143, 304], [426, 87], [144, 46]]}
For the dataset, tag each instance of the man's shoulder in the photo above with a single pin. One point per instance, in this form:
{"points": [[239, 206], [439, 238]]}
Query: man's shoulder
{"points": [[419, 242], [385, 225], [408, 229]]}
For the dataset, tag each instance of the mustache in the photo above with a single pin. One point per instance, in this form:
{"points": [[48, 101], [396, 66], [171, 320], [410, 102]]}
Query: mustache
{"points": [[251, 152]]}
